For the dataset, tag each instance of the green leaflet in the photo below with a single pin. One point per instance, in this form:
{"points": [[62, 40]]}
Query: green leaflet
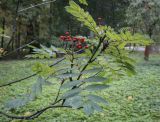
{"points": [[47, 49], [96, 107], [83, 2], [122, 45], [74, 102], [19, 102], [94, 70], [42, 69], [90, 106], [65, 70], [54, 48], [71, 84], [95, 79], [67, 75], [97, 99], [36, 90], [71, 93], [81, 15], [96, 87], [43, 52], [126, 65], [78, 82], [88, 109]]}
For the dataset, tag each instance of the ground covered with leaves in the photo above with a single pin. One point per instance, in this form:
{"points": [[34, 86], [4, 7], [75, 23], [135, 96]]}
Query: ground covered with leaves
{"points": [[131, 99]]}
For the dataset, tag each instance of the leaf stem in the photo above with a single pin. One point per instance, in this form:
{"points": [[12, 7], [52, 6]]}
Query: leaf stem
{"points": [[91, 58]]}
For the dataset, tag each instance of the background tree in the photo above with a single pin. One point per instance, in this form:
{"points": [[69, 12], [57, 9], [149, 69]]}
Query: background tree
{"points": [[144, 16], [49, 20]]}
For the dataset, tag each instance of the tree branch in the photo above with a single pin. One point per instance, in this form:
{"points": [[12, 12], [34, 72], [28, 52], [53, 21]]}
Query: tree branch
{"points": [[36, 5], [59, 90], [20, 80], [36, 114], [18, 49], [91, 58], [91, 76]]}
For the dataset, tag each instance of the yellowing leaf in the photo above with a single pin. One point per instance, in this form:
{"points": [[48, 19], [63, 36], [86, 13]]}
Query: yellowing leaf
{"points": [[83, 2]]}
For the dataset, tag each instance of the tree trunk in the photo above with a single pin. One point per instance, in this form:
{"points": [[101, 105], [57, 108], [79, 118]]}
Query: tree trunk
{"points": [[148, 47], [3, 32], [18, 37], [50, 24], [36, 30], [113, 14], [13, 37], [14, 27], [30, 32], [147, 52]]}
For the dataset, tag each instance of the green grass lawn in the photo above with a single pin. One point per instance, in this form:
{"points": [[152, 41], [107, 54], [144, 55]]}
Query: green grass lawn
{"points": [[131, 99]]}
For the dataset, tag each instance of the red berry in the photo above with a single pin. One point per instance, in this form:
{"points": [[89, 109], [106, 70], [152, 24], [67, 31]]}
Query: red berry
{"points": [[79, 39], [79, 46], [82, 40], [86, 46], [78, 43], [67, 33], [74, 39], [62, 37], [69, 38]]}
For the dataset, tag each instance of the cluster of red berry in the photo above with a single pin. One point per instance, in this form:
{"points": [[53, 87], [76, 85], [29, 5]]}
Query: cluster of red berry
{"points": [[78, 41]]}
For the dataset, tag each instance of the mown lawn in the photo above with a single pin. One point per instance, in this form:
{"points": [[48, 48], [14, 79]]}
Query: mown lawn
{"points": [[131, 99]]}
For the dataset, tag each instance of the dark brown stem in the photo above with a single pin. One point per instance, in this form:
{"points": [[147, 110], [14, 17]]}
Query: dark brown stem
{"points": [[92, 57], [59, 90], [20, 80], [23, 46], [3, 32], [36, 114], [72, 61], [91, 77]]}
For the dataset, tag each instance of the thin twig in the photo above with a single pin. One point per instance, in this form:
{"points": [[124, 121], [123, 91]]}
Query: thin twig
{"points": [[33, 6], [91, 77], [91, 58], [59, 90], [22, 79], [36, 114], [18, 49], [19, 80]]}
